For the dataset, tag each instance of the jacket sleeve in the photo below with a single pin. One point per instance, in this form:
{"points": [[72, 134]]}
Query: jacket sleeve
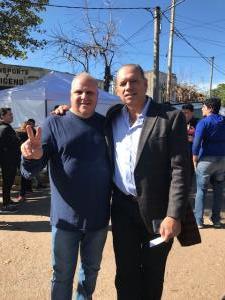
{"points": [[180, 167], [31, 167], [10, 145], [199, 134]]}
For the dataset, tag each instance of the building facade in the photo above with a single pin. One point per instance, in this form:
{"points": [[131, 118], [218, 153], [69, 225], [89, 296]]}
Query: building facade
{"points": [[162, 86], [13, 75]]}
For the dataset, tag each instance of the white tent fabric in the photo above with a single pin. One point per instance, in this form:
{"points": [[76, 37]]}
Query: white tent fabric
{"points": [[36, 99]]}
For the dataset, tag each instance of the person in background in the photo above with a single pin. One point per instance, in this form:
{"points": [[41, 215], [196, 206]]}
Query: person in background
{"points": [[9, 158], [37, 179], [25, 184], [80, 179], [209, 160], [191, 121]]}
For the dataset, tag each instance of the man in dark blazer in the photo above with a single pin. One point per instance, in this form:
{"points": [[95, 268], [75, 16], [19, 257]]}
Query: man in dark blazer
{"points": [[149, 154]]}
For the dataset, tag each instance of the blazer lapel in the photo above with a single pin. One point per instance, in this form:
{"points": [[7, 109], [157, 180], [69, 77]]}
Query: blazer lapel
{"points": [[109, 132], [149, 122]]}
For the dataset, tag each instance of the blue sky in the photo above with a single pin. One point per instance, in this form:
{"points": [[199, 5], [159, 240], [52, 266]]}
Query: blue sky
{"points": [[201, 22]]}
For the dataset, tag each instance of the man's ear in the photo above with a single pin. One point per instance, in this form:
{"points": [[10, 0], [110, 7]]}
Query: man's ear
{"points": [[146, 84], [115, 89]]}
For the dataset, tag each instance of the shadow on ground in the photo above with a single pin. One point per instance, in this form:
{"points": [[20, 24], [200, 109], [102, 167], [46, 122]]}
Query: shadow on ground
{"points": [[30, 226], [37, 204]]}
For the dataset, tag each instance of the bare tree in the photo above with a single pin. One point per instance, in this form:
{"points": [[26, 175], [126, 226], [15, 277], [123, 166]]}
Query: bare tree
{"points": [[188, 93], [72, 50], [94, 42]]}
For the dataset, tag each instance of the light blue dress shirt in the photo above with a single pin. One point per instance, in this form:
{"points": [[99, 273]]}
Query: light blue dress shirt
{"points": [[126, 138]]}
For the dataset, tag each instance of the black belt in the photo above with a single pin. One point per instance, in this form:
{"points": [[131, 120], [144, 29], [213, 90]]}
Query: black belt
{"points": [[118, 192]]}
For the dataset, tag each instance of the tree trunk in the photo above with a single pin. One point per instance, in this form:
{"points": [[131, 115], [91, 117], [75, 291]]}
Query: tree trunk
{"points": [[107, 78]]}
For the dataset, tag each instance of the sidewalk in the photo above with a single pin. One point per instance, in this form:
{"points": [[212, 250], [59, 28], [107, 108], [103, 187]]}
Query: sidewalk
{"points": [[196, 273]]}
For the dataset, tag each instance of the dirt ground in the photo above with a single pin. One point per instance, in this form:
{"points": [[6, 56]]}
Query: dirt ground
{"points": [[196, 272]]}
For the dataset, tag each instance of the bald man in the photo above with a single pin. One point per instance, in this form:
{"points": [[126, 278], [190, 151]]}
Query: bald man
{"points": [[149, 152], [75, 148]]}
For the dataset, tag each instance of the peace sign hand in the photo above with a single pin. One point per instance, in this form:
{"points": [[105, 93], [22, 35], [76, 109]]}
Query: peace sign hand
{"points": [[31, 148]]}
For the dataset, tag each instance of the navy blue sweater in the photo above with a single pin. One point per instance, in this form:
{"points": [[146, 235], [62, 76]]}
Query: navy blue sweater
{"points": [[80, 176], [209, 137]]}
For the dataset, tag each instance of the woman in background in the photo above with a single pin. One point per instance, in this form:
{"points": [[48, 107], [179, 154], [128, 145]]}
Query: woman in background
{"points": [[25, 184]]}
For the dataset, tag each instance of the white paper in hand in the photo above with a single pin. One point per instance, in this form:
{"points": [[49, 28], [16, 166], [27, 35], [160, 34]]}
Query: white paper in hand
{"points": [[156, 241]]}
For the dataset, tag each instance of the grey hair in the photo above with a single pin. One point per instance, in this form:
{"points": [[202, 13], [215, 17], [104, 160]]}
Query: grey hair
{"points": [[85, 75], [135, 66]]}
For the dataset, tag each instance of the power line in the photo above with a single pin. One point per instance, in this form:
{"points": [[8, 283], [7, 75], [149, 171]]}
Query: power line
{"points": [[151, 21], [136, 32], [208, 41], [183, 56], [98, 8], [180, 35], [149, 9], [197, 20], [169, 7], [162, 55], [201, 55], [108, 8], [196, 23]]}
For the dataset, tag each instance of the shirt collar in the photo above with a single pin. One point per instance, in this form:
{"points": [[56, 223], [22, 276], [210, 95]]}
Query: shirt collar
{"points": [[141, 116]]}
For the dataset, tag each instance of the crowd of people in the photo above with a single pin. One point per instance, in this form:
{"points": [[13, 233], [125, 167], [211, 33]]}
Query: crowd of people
{"points": [[134, 165]]}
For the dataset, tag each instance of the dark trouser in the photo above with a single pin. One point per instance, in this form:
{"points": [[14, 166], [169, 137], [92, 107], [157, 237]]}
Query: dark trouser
{"points": [[8, 177], [140, 269], [25, 184]]}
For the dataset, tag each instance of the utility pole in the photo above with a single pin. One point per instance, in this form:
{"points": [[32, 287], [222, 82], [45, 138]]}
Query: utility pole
{"points": [[170, 53], [211, 78], [156, 54]]}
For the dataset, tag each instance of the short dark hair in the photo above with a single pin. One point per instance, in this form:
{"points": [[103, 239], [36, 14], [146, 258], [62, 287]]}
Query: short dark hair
{"points": [[31, 121], [188, 106], [3, 111], [213, 103], [136, 67]]}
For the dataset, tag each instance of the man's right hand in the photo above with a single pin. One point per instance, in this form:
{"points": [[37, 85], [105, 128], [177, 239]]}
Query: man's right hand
{"points": [[32, 148], [61, 110]]}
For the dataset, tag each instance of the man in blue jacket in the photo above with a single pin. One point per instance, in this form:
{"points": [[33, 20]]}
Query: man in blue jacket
{"points": [[209, 160], [74, 145]]}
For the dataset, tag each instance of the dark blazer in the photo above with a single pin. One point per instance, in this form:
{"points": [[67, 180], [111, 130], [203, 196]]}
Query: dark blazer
{"points": [[162, 163], [9, 145]]}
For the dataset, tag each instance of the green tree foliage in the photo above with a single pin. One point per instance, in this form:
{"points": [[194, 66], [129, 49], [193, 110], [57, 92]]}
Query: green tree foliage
{"points": [[219, 91], [18, 21]]}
